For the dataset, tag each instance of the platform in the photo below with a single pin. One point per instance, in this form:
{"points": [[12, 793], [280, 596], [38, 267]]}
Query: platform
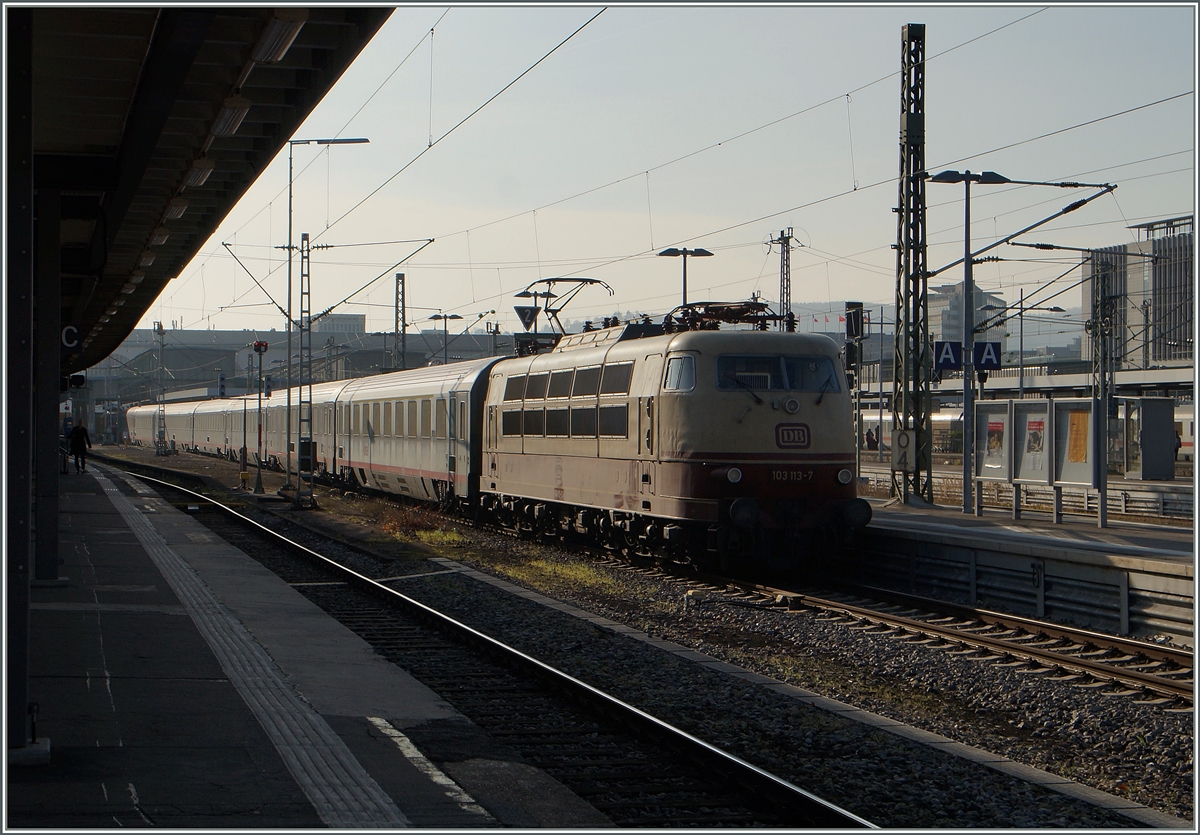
{"points": [[182, 685], [1130, 578], [1170, 543]]}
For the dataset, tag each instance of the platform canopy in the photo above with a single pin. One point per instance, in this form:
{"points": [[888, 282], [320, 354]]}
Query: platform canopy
{"points": [[149, 123]]}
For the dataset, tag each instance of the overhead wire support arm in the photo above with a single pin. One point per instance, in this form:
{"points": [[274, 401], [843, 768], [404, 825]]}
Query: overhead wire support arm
{"points": [[336, 305], [278, 306], [1078, 204]]}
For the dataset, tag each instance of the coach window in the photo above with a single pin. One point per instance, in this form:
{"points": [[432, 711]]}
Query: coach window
{"points": [[464, 430], [441, 418], [357, 430], [535, 386], [615, 379], [387, 418], [681, 374], [558, 423], [375, 427], [412, 418], [510, 422], [399, 412], [583, 422], [614, 421], [426, 418], [534, 422], [514, 389], [560, 383], [587, 382]]}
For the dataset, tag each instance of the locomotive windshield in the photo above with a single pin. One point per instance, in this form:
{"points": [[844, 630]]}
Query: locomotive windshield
{"points": [[776, 373]]}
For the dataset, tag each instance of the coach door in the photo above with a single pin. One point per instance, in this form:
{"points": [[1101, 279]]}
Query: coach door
{"points": [[647, 429], [453, 453]]}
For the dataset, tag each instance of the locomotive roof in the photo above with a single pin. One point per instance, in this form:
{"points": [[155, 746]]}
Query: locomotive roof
{"points": [[644, 330]]}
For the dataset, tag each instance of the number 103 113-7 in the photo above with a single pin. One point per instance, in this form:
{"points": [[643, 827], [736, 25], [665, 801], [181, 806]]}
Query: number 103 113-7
{"points": [[792, 475]]}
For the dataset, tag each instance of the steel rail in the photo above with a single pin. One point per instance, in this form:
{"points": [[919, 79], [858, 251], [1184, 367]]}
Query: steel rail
{"points": [[1011, 646], [789, 798]]}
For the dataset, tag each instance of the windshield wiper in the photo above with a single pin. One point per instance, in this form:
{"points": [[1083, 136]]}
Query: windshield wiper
{"points": [[824, 388], [746, 386]]}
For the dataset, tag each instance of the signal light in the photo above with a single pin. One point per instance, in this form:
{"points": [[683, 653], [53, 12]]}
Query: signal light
{"points": [[267, 385], [260, 347], [220, 385]]}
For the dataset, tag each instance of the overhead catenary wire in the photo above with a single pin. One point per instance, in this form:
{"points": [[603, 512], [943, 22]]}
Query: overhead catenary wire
{"points": [[466, 119], [646, 172]]}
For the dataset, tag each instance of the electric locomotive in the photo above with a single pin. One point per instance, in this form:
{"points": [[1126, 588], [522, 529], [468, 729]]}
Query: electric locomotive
{"points": [[721, 448]]}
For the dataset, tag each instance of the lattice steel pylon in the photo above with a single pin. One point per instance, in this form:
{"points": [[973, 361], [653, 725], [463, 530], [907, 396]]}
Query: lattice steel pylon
{"points": [[160, 414], [400, 334], [911, 394], [784, 241], [305, 451]]}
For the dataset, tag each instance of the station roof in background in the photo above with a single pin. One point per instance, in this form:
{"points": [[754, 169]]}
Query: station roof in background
{"points": [[133, 104]]}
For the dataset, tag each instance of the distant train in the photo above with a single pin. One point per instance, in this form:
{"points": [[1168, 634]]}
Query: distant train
{"points": [[723, 448]]}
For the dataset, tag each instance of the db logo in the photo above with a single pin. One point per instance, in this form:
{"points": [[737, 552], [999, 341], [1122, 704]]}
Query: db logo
{"points": [[791, 435]]}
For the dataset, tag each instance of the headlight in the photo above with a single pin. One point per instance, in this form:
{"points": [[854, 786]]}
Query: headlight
{"points": [[844, 476], [734, 475]]}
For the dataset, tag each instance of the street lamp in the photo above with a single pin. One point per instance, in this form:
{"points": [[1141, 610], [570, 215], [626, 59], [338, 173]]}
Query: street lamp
{"points": [[1021, 308], [988, 178], [685, 252], [292, 143], [444, 318], [968, 336]]}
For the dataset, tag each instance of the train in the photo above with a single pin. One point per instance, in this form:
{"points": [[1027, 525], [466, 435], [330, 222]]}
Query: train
{"points": [[728, 449]]}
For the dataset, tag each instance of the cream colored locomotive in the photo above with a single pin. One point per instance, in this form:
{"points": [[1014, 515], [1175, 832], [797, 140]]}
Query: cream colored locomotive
{"points": [[724, 448]]}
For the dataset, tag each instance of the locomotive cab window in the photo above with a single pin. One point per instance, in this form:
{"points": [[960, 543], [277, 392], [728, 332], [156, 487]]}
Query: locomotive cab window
{"points": [[777, 373], [681, 374]]}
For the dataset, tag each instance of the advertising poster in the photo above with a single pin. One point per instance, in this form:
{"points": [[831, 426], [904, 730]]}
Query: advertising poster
{"points": [[994, 456], [1035, 444], [1077, 438]]}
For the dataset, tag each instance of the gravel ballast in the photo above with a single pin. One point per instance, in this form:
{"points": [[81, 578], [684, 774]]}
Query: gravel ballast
{"points": [[1137, 753]]}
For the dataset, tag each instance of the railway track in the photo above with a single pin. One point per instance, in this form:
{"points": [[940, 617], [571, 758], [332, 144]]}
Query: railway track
{"points": [[633, 768], [1152, 674], [1157, 675]]}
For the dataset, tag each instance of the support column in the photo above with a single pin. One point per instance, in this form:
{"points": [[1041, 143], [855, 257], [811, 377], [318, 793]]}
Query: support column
{"points": [[47, 371], [18, 350]]}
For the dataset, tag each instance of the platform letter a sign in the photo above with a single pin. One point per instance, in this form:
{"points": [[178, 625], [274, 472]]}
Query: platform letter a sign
{"points": [[947, 356], [987, 356]]}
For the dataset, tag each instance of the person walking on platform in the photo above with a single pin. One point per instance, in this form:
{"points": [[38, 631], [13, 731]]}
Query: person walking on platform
{"points": [[81, 441]]}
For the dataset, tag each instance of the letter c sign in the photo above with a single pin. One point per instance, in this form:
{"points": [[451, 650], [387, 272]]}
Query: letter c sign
{"points": [[70, 340]]}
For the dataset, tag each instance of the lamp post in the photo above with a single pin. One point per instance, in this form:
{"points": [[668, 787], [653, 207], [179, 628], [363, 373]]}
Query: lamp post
{"points": [[444, 318], [260, 348], [968, 335], [685, 252], [292, 143]]}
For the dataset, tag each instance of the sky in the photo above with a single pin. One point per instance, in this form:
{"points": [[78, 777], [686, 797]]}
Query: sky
{"points": [[719, 127]]}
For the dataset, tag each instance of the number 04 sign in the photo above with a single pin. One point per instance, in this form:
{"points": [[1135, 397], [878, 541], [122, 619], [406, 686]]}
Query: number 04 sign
{"points": [[904, 450]]}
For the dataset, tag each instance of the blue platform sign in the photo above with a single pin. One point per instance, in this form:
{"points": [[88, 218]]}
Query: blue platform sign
{"points": [[947, 356], [986, 356]]}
